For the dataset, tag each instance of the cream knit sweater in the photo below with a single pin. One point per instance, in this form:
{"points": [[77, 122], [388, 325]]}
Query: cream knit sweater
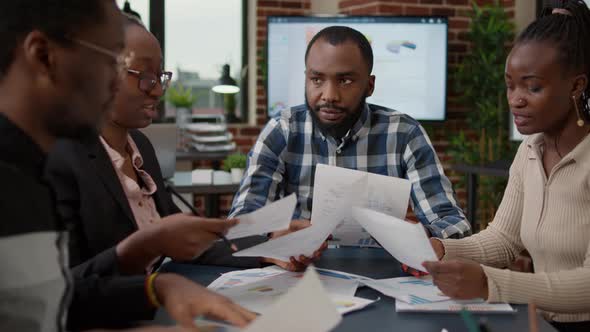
{"points": [[550, 217]]}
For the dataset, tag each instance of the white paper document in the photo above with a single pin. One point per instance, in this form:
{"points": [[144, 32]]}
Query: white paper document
{"points": [[272, 217], [242, 277], [386, 194], [454, 306], [336, 199], [346, 304], [306, 307], [408, 289], [331, 279], [258, 296], [343, 275], [405, 241]]}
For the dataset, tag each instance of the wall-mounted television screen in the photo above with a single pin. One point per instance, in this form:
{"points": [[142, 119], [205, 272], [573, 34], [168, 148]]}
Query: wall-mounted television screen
{"points": [[410, 61]]}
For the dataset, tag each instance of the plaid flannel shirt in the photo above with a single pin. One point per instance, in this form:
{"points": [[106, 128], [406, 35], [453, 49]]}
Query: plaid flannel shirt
{"points": [[382, 141]]}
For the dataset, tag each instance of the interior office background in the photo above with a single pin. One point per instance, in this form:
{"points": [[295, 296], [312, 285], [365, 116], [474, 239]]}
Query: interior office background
{"points": [[199, 36]]}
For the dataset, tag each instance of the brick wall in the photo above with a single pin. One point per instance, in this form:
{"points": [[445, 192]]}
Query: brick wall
{"points": [[246, 135], [458, 13]]}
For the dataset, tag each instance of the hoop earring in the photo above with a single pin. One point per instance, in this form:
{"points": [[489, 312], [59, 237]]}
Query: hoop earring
{"points": [[580, 121]]}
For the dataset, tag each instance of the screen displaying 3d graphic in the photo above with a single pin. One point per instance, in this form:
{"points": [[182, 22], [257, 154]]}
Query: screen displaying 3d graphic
{"points": [[410, 61]]}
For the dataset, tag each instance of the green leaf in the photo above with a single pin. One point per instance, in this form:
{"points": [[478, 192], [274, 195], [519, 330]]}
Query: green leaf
{"points": [[235, 160], [179, 96]]}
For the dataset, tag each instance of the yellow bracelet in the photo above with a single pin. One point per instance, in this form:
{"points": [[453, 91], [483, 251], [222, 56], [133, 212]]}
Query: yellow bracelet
{"points": [[151, 291]]}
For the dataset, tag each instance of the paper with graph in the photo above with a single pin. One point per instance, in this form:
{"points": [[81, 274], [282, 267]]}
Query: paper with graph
{"points": [[405, 241], [258, 295], [272, 217], [408, 289], [258, 289], [315, 310], [242, 277]]}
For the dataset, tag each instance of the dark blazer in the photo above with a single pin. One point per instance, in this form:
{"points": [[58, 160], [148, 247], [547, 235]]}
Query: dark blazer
{"points": [[28, 211], [89, 191], [91, 199]]}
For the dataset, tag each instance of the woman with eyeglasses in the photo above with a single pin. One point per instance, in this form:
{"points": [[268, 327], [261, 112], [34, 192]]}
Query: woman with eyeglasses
{"points": [[111, 187]]}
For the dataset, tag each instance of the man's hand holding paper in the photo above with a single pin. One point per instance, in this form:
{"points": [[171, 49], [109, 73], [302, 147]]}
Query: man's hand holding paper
{"points": [[332, 201], [295, 263]]}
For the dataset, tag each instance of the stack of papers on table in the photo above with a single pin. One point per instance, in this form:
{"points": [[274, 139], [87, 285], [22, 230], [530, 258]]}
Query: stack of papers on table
{"points": [[421, 295], [242, 277], [305, 307], [258, 289], [408, 289]]}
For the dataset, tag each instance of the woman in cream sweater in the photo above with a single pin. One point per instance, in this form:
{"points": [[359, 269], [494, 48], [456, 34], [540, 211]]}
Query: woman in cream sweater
{"points": [[545, 208]]}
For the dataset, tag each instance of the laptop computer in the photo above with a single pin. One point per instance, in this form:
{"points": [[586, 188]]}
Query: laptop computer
{"points": [[163, 138]]}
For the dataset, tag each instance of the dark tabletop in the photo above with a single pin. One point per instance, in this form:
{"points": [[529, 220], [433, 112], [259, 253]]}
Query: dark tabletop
{"points": [[381, 316]]}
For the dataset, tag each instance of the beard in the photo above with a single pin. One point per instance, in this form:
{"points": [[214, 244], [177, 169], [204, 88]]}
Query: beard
{"points": [[336, 130]]}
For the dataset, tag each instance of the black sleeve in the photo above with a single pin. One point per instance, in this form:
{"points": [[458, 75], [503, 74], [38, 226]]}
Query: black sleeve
{"points": [[60, 173], [103, 264], [108, 302], [101, 298], [220, 254]]}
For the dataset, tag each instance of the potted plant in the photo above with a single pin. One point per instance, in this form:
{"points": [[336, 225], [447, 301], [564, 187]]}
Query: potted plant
{"points": [[182, 99], [479, 80], [235, 164]]}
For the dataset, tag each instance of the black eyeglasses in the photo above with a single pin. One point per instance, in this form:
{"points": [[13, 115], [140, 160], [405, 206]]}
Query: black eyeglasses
{"points": [[121, 60], [147, 81]]}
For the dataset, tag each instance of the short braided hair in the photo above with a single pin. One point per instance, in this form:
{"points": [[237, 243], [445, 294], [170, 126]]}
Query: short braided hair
{"points": [[569, 31]]}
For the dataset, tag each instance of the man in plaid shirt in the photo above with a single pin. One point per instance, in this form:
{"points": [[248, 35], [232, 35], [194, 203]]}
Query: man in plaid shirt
{"points": [[337, 127]]}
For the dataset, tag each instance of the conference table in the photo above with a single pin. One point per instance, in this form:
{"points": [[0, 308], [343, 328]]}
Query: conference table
{"points": [[380, 316]]}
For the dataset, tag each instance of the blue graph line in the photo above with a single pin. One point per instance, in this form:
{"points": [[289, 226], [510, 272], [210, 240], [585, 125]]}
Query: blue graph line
{"points": [[418, 300], [253, 274], [417, 282], [333, 274]]}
